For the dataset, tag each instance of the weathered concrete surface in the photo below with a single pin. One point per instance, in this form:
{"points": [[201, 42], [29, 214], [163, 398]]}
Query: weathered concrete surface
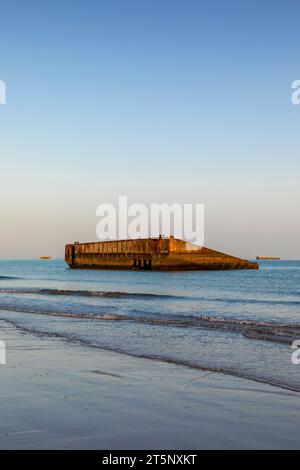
{"points": [[161, 254]]}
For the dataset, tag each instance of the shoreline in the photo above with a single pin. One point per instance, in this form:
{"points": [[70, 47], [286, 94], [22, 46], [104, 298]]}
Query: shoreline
{"points": [[56, 395]]}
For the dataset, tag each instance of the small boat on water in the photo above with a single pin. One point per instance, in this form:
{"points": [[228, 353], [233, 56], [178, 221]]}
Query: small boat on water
{"points": [[267, 257], [45, 257]]}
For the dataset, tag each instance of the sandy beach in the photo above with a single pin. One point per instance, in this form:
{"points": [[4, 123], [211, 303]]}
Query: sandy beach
{"points": [[56, 395]]}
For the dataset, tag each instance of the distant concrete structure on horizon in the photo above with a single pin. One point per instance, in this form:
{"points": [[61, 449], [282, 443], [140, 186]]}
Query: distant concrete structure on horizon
{"points": [[157, 254]]}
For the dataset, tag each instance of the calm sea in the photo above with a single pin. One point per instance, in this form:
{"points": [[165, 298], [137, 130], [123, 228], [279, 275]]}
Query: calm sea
{"points": [[240, 323]]}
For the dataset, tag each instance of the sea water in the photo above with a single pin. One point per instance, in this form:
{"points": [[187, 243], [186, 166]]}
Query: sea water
{"points": [[240, 323]]}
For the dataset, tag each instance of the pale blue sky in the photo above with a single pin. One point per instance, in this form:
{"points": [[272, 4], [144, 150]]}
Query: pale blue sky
{"points": [[163, 101]]}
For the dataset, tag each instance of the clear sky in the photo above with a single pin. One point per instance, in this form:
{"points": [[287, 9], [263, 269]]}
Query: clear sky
{"points": [[163, 101]]}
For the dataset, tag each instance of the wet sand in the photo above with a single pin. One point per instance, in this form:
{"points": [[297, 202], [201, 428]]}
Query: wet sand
{"points": [[56, 395]]}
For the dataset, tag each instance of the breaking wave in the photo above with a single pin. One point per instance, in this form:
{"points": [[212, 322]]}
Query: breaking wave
{"points": [[90, 293], [277, 332], [157, 357], [142, 295]]}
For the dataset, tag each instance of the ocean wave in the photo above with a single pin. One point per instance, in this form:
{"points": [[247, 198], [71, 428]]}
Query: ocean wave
{"points": [[81, 316], [90, 293], [277, 332], [254, 301], [5, 278], [68, 338], [144, 295]]}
